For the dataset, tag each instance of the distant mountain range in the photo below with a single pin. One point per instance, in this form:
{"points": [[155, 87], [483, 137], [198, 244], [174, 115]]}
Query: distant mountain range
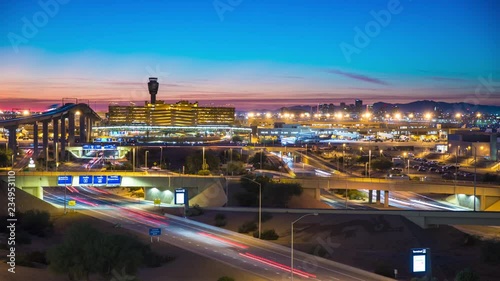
{"points": [[428, 105]]}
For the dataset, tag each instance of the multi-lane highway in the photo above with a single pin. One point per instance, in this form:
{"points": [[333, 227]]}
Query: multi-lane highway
{"points": [[262, 258]]}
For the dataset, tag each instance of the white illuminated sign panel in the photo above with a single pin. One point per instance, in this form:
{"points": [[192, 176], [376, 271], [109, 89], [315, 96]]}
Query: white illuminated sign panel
{"points": [[419, 263], [180, 196]]}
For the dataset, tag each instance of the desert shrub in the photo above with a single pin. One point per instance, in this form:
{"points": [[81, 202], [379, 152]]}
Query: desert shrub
{"points": [[247, 227], [265, 216], [267, 235]]}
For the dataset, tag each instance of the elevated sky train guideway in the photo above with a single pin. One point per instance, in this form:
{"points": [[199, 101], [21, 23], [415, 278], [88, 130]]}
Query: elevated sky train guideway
{"points": [[64, 121]]}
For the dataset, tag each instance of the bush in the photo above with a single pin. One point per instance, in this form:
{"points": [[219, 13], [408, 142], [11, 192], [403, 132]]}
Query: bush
{"points": [[490, 252], [384, 270], [36, 222], [225, 278], [265, 216], [467, 275], [220, 220], [267, 235], [194, 211], [220, 216], [37, 256], [23, 237], [354, 194], [470, 240], [247, 227], [203, 172], [152, 259]]}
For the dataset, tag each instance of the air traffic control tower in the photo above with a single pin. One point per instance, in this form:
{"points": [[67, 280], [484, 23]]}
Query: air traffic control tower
{"points": [[153, 88]]}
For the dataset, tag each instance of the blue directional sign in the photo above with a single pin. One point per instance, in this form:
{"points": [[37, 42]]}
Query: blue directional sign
{"points": [[181, 196], [100, 180], [154, 231], [85, 180], [64, 180], [114, 180], [92, 146]]}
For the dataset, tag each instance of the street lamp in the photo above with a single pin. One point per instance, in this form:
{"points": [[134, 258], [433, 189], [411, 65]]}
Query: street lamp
{"points": [[146, 159], [260, 204], [161, 155], [475, 174], [343, 157], [133, 159], [369, 164], [293, 222]]}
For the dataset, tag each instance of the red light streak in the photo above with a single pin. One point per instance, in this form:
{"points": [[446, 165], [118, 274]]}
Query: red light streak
{"points": [[223, 240], [278, 265]]}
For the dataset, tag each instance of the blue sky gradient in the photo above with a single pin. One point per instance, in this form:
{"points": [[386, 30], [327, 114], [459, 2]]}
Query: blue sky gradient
{"points": [[256, 54]]}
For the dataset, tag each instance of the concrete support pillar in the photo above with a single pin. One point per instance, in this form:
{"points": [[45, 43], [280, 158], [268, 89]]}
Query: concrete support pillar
{"points": [[89, 129], [386, 198], [13, 139], [63, 139], [45, 138], [83, 136], [35, 140], [55, 128], [370, 196], [378, 196], [71, 129], [482, 202]]}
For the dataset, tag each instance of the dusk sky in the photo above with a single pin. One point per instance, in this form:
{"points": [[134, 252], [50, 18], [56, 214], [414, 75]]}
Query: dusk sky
{"points": [[252, 54]]}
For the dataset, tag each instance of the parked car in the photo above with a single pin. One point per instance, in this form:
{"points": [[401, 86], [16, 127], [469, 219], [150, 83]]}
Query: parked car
{"points": [[422, 169]]}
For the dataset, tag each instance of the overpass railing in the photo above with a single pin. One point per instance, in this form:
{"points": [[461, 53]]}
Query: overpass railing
{"points": [[383, 180]]}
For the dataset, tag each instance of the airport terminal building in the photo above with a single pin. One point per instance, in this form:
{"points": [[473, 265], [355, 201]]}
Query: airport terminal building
{"points": [[182, 113], [159, 113]]}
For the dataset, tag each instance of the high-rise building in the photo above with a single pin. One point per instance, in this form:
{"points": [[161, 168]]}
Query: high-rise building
{"points": [[358, 104]]}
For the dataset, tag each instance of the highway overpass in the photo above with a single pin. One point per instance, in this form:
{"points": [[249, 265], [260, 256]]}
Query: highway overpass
{"points": [[62, 118], [486, 195], [424, 219], [202, 190]]}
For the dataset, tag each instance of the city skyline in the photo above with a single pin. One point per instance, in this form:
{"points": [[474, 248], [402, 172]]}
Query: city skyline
{"points": [[252, 55]]}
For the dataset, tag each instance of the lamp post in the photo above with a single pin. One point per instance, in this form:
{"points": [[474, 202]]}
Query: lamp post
{"points": [[404, 161], [475, 174], [261, 152], [369, 164], [161, 155], [260, 204], [146, 159], [343, 157], [133, 159], [293, 222]]}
